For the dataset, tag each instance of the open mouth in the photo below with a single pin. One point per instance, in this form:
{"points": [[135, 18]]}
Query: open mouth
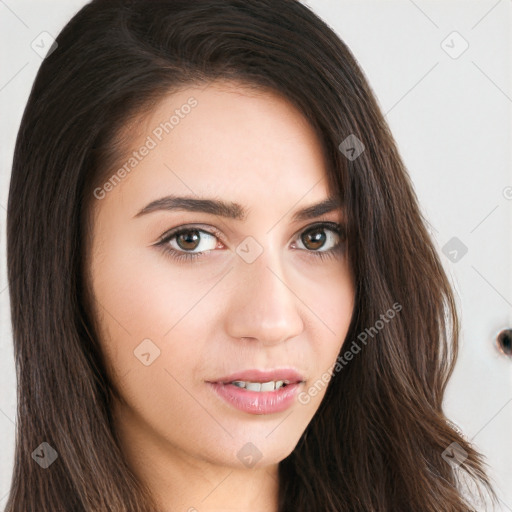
{"points": [[260, 386], [258, 397], [257, 391]]}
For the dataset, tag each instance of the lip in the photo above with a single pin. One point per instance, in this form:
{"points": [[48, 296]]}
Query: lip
{"points": [[254, 375], [255, 402]]}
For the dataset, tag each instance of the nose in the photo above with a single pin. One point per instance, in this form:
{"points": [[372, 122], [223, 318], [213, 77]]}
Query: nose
{"points": [[263, 305]]}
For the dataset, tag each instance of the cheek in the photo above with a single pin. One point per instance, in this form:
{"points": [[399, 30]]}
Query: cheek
{"points": [[145, 307], [332, 306], [329, 299], [141, 293], [150, 335]]}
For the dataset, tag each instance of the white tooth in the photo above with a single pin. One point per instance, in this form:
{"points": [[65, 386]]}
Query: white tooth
{"points": [[253, 386], [267, 386], [260, 386]]}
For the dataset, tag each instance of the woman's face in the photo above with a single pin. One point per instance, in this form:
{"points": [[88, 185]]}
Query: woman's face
{"points": [[253, 292]]}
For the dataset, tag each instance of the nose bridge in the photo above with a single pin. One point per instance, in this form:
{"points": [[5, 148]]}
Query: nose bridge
{"points": [[263, 305]]}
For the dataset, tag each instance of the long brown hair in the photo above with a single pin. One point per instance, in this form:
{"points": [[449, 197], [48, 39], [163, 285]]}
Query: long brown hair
{"points": [[377, 440]]}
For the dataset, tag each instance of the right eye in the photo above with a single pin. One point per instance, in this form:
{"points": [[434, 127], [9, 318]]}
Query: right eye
{"points": [[188, 243]]}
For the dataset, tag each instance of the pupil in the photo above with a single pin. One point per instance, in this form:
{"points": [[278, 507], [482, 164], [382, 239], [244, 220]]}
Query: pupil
{"points": [[314, 239], [188, 237]]}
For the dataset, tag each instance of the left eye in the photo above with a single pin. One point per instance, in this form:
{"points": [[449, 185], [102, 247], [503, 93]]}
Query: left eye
{"points": [[316, 239]]}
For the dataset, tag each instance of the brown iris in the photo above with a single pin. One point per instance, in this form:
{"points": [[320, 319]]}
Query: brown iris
{"points": [[314, 239], [187, 238]]}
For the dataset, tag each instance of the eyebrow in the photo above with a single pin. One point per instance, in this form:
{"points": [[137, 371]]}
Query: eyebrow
{"points": [[231, 210]]}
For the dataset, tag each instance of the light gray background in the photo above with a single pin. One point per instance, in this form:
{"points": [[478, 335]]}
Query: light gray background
{"points": [[451, 118]]}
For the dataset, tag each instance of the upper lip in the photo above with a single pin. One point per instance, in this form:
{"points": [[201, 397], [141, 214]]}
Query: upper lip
{"points": [[286, 374]]}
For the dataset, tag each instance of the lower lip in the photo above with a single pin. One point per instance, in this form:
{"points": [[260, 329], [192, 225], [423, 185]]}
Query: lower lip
{"points": [[257, 402]]}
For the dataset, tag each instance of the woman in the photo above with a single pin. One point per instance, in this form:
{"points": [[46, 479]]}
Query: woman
{"points": [[224, 296]]}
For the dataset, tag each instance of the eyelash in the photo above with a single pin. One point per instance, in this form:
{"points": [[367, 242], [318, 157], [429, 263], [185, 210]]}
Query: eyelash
{"points": [[190, 256]]}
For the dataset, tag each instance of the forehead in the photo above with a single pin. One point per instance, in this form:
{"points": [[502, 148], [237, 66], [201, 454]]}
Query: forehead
{"points": [[223, 139]]}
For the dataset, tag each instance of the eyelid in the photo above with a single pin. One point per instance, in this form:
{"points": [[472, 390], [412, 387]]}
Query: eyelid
{"points": [[190, 227]]}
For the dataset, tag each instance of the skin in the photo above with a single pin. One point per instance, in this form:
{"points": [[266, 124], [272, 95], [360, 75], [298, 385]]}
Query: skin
{"points": [[217, 314]]}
